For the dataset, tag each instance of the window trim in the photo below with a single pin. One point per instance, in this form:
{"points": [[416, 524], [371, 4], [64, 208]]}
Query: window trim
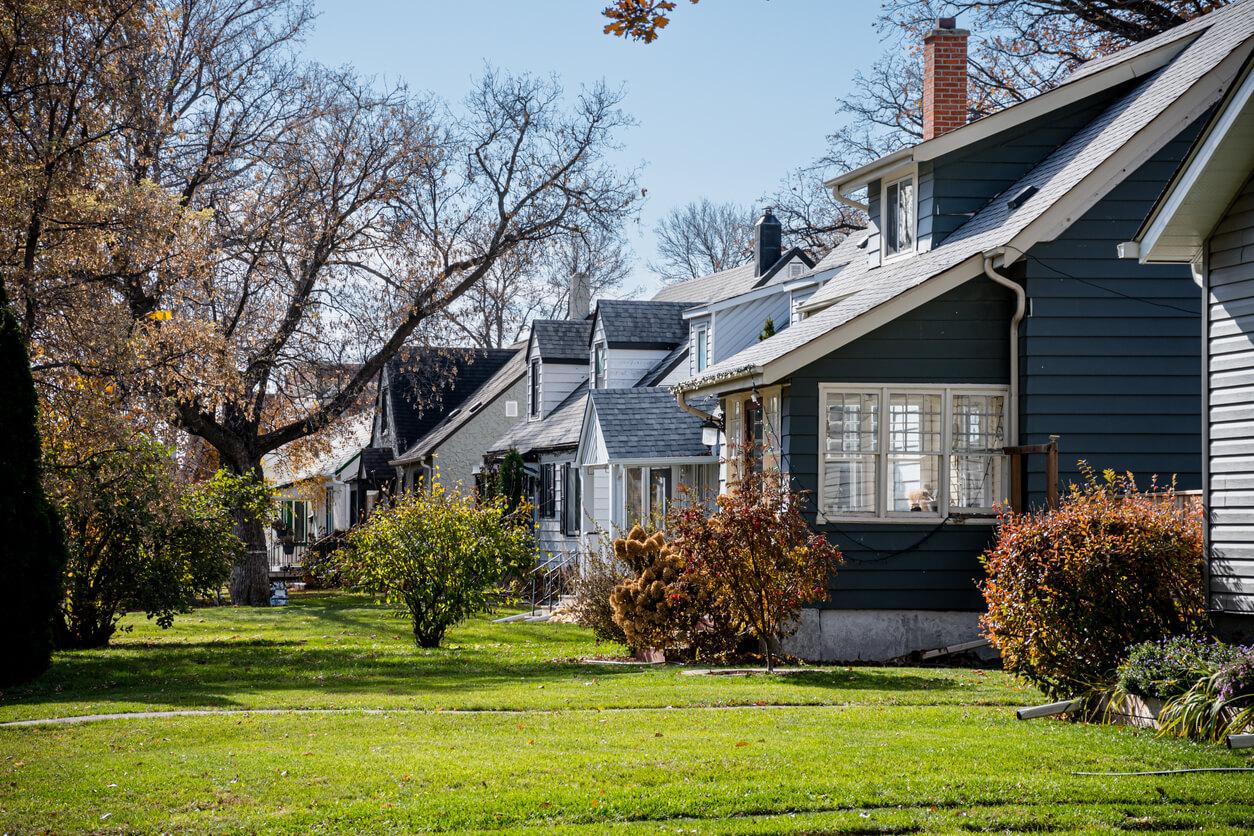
{"points": [[700, 347], [882, 513], [571, 499], [533, 390], [600, 365], [547, 491], [885, 253]]}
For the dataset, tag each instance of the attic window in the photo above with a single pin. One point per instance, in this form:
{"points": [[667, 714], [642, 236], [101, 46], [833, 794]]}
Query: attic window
{"points": [[795, 270], [898, 216]]}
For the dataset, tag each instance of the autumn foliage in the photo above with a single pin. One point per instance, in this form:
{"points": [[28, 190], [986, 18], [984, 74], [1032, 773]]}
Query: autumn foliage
{"points": [[1070, 590], [759, 554], [666, 604]]}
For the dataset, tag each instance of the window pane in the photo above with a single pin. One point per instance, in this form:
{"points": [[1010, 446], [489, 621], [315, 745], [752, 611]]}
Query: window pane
{"points": [[978, 423], [849, 485], [702, 347], [891, 221], [659, 493], [915, 480], [914, 423], [975, 481], [635, 496], [905, 215], [852, 422]]}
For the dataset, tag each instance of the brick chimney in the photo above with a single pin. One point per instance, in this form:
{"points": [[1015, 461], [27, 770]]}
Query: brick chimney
{"points": [[944, 78]]}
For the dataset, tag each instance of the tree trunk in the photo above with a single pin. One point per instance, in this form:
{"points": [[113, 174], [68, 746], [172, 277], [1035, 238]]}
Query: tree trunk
{"points": [[766, 651], [250, 575]]}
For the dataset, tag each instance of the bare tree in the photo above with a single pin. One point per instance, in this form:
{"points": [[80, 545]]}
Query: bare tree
{"points": [[250, 221], [1019, 48], [812, 218], [535, 283], [702, 237]]}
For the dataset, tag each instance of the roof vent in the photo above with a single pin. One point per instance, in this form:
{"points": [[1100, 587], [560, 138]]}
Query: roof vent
{"points": [[1021, 197]]}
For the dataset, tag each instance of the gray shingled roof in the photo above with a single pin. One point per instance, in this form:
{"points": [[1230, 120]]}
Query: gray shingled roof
{"points": [[996, 224], [715, 287], [705, 289], [629, 322], [558, 430], [562, 340], [496, 385], [646, 423]]}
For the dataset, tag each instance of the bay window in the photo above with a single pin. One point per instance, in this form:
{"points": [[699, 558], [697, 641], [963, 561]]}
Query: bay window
{"points": [[914, 451]]}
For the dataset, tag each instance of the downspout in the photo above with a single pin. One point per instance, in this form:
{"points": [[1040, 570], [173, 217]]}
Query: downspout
{"points": [[841, 197], [1020, 308], [700, 414]]}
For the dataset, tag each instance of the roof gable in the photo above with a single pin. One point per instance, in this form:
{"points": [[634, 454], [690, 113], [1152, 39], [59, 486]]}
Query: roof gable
{"points": [[423, 385], [642, 324], [1067, 183]]}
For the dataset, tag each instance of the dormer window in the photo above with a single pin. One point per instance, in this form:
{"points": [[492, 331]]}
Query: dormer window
{"points": [[898, 216], [702, 348], [534, 389], [598, 366]]}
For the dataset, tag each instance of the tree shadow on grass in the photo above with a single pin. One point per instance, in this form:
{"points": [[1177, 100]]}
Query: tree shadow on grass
{"points": [[344, 651]]}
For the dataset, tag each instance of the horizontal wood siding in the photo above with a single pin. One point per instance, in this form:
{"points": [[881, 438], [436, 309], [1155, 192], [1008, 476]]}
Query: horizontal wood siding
{"points": [[1230, 392], [957, 338], [954, 187], [557, 380], [1110, 348]]}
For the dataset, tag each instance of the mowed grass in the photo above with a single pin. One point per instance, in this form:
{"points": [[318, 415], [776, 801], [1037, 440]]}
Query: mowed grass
{"points": [[582, 749]]}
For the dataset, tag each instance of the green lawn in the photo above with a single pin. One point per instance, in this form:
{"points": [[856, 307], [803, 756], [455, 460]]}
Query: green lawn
{"points": [[558, 745]]}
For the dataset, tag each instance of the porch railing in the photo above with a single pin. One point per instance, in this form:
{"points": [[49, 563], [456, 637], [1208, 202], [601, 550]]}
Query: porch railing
{"points": [[287, 558], [550, 580]]}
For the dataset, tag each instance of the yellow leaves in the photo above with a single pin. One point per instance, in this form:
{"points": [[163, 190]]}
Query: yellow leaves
{"points": [[161, 316]]}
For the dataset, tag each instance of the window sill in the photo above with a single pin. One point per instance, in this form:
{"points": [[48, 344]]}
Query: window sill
{"points": [[955, 518]]}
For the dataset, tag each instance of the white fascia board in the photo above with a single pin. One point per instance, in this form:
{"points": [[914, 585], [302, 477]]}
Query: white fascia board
{"points": [[1130, 156], [587, 436], [1035, 107], [1061, 96], [665, 460], [733, 301], [1184, 187], [878, 169], [803, 281]]}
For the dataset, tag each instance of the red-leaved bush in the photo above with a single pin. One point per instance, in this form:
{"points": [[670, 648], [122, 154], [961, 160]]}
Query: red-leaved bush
{"points": [[1070, 590], [761, 558]]}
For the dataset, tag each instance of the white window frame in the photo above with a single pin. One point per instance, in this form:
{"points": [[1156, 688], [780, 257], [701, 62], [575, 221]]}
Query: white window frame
{"points": [[600, 366], [889, 255], [882, 498], [700, 347]]}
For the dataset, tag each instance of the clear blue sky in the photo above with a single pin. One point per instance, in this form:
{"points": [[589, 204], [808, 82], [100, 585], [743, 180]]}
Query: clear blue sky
{"points": [[733, 95]]}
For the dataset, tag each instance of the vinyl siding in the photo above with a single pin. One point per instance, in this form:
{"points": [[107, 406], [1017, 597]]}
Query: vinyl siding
{"points": [[557, 380], [740, 326], [698, 328], [958, 338], [1230, 395], [552, 543], [1109, 352]]}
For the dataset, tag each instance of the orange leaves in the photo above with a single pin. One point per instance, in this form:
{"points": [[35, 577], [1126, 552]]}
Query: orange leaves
{"points": [[639, 20], [1068, 591]]}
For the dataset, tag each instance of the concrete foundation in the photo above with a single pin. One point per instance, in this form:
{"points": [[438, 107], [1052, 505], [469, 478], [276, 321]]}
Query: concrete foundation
{"points": [[879, 635]]}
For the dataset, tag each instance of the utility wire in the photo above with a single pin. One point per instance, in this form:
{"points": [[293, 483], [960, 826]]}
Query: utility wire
{"points": [[1102, 287]]}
